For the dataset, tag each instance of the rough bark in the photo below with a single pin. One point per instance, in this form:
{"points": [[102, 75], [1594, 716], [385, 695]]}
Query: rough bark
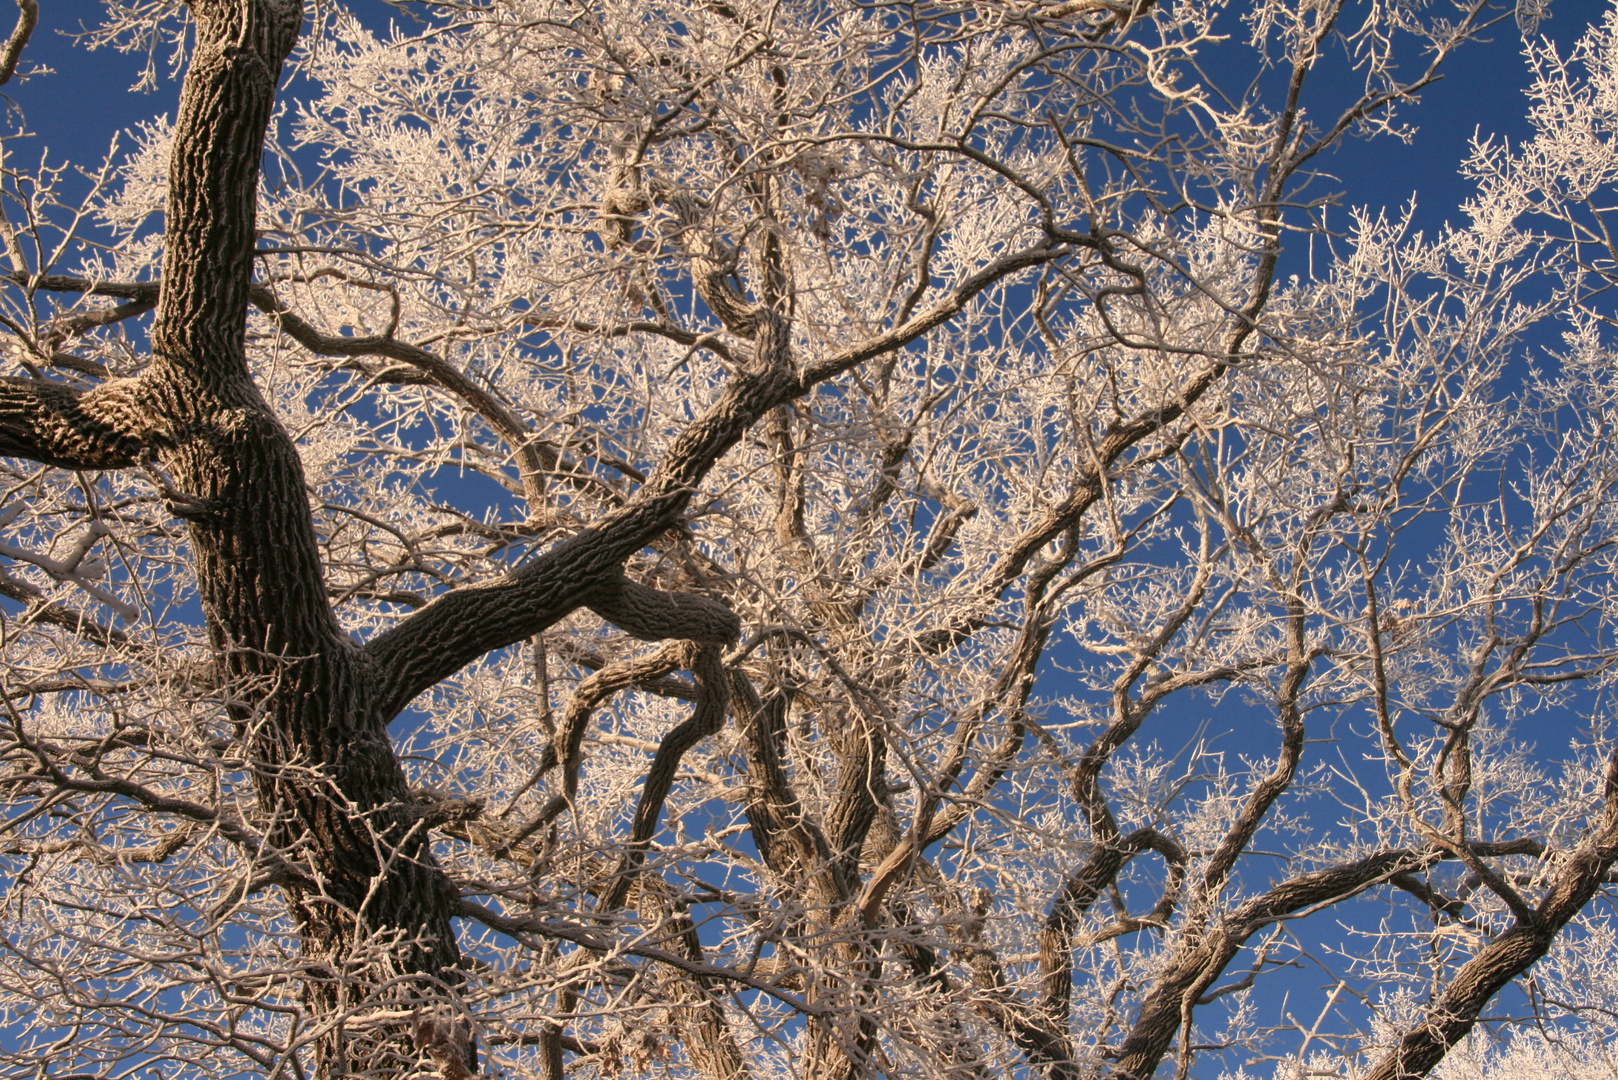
{"points": [[373, 909], [372, 905], [55, 425], [1500, 961], [1202, 960]]}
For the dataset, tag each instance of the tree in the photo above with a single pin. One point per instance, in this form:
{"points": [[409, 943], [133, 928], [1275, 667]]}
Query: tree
{"points": [[893, 429]]}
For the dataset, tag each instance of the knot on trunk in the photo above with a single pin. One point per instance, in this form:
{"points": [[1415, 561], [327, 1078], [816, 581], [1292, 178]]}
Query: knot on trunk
{"points": [[437, 808], [448, 1041], [654, 615]]}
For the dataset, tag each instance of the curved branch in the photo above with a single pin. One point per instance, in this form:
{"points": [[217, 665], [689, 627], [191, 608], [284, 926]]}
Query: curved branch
{"points": [[1205, 956], [534, 457], [654, 615], [574, 653], [1449, 1019], [1074, 899], [706, 719], [564, 748], [27, 19]]}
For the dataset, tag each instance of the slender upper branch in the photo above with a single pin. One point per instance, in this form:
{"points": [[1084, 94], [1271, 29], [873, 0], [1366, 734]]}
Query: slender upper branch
{"points": [[533, 457]]}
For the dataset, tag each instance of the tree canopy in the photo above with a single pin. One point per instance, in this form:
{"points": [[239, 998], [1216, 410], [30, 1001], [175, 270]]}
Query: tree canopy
{"points": [[752, 538]]}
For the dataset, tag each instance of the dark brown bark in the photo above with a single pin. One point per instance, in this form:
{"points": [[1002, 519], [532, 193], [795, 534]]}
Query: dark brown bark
{"points": [[1074, 899], [1457, 1010], [327, 777], [695, 1008], [1203, 959], [47, 422]]}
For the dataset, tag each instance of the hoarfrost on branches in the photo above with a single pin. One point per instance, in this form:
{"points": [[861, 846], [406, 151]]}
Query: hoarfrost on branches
{"points": [[747, 539]]}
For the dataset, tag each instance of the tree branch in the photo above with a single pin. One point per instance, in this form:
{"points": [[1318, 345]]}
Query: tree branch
{"points": [[461, 626], [1074, 899], [706, 718], [564, 747], [1454, 1014], [534, 457], [592, 940], [1204, 957], [41, 610], [27, 19], [53, 424]]}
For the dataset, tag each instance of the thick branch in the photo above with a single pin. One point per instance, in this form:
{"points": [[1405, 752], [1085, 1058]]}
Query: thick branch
{"points": [[1080, 890], [706, 718], [1455, 1013], [458, 628], [704, 1028], [788, 839], [1204, 957], [27, 19], [654, 615], [57, 425], [213, 191]]}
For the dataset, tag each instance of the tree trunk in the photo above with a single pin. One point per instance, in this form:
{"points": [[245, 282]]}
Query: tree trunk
{"points": [[371, 907]]}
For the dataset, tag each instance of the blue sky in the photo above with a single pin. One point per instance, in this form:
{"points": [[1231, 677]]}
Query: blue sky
{"points": [[75, 112]]}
